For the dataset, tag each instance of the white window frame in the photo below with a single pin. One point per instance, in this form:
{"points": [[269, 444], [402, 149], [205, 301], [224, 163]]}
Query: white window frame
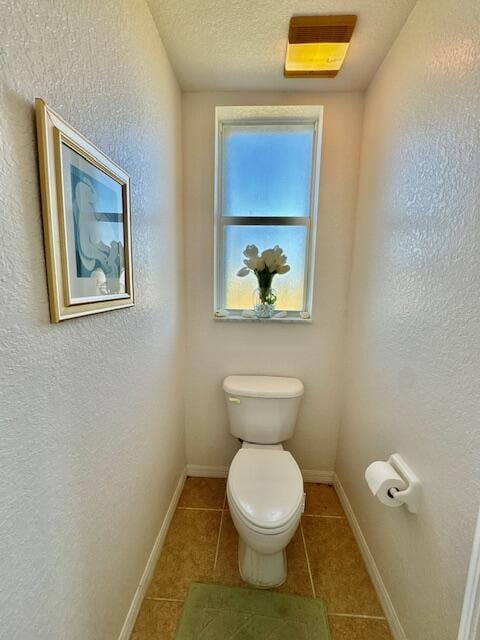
{"points": [[275, 115]]}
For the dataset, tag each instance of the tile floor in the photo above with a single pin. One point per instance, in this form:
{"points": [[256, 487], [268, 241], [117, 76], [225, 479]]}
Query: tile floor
{"points": [[323, 562]]}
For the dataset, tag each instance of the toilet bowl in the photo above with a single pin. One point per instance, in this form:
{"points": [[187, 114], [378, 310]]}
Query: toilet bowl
{"points": [[265, 485], [266, 500]]}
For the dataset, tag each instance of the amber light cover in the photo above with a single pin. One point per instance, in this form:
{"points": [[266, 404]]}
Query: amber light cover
{"points": [[317, 45]]}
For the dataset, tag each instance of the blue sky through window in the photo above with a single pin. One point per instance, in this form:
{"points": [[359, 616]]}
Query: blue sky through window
{"points": [[267, 171]]}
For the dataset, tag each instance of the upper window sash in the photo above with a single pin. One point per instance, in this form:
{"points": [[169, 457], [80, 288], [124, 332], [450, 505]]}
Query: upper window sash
{"points": [[266, 168]]}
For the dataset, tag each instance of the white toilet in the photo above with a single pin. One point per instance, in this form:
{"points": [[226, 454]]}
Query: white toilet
{"points": [[265, 485]]}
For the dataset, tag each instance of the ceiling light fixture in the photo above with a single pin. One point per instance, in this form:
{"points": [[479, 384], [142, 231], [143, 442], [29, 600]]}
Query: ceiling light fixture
{"points": [[317, 45]]}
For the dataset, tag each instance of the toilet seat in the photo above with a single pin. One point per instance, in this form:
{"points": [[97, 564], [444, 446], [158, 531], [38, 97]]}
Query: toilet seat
{"points": [[265, 489], [268, 533]]}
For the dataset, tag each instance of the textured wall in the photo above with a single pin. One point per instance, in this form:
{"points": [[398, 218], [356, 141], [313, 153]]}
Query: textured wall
{"points": [[414, 332], [311, 352], [91, 441]]}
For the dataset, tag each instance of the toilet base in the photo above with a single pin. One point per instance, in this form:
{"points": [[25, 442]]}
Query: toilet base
{"points": [[259, 569]]}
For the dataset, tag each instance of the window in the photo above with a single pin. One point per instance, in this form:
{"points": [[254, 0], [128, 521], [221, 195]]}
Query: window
{"points": [[266, 193]]}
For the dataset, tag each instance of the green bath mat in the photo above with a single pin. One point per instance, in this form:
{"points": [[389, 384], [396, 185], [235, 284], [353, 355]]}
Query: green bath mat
{"points": [[213, 612]]}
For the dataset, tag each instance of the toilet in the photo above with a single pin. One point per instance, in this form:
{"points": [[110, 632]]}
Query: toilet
{"points": [[265, 486]]}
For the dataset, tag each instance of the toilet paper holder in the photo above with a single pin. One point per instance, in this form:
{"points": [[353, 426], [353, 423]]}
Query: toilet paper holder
{"points": [[410, 496]]}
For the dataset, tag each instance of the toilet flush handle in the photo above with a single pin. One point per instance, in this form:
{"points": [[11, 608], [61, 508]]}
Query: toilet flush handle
{"points": [[234, 400]]}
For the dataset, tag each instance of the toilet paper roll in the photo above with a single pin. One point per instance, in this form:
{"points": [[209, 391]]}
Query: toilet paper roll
{"points": [[381, 477]]}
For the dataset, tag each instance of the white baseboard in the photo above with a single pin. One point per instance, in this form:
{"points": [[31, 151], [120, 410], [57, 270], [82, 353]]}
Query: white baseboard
{"points": [[129, 623], [470, 620], [385, 600], [205, 471]]}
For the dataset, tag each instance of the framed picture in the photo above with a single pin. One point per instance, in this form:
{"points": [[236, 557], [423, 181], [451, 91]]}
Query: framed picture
{"points": [[86, 221]]}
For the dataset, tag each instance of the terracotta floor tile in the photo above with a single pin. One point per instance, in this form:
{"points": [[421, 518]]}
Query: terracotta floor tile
{"points": [[298, 578], [338, 571], [203, 493], [157, 620], [359, 629], [188, 553], [322, 500], [226, 571]]}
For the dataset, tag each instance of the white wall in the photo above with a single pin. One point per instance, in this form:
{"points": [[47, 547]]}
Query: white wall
{"points": [[91, 441], [413, 358], [311, 352]]}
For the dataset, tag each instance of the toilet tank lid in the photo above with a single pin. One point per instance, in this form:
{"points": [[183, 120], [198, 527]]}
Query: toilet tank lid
{"points": [[263, 386]]}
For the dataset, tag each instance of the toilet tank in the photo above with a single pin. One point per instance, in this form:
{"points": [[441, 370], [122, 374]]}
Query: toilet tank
{"points": [[262, 409]]}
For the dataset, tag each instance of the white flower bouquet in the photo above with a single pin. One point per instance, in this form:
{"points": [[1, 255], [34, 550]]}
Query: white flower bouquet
{"points": [[265, 266]]}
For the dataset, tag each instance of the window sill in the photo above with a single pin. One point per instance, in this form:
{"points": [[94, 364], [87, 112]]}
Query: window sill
{"points": [[285, 320]]}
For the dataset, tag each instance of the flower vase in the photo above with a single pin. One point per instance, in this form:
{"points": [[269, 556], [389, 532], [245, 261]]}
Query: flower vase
{"points": [[264, 299]]}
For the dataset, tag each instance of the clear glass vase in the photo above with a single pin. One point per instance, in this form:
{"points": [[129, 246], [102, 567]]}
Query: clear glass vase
{"points": [[264, 299]]}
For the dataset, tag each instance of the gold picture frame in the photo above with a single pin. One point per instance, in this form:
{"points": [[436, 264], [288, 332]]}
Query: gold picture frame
{"points": [[86, 222]]}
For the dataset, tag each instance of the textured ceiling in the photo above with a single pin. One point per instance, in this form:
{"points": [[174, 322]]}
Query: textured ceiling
{"points": [[240, 44]]}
